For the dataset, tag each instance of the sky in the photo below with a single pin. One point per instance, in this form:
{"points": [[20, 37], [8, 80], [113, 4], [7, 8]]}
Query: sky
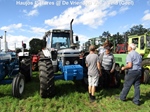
{"points": [[24, 20]]}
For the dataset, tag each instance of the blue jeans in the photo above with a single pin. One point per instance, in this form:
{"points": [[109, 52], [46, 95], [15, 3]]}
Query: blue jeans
{"points": [[132, 78]]}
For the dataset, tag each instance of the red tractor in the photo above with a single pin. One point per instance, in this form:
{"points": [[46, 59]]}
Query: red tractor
{"points": [[35, 59], [121, 48]]}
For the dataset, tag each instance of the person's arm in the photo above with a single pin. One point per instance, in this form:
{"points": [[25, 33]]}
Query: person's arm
{"points": [[101, 57], [99, 66], [129, 63], [86, 62], [86, 65], [113, 66], [128, 66]]}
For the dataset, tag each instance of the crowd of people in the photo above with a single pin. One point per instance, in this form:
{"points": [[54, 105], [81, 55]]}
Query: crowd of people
{"points": [[103, 65]]}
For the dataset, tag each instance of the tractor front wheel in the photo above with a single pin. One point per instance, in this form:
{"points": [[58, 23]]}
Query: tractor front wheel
{"points": [[46, 77], [18, 85]]}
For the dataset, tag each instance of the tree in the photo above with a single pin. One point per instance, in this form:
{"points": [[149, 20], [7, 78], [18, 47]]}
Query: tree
{"points": [[117, 38], [18, 50], [106, 34], [137, 29], [35, 45], [102, 39]]}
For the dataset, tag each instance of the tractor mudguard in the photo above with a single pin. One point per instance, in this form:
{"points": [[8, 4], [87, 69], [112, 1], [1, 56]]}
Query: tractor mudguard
{"points": [[23, 54], [46, 53]]}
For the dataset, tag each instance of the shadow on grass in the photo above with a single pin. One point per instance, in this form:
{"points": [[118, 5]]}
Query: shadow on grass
{"points": [[145, 97], [67, 87], [4, 95], [30, 89], [62, 87], [108, 92]]}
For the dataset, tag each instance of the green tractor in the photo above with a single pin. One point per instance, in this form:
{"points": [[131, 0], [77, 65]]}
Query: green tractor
{"points": [[143, 47]]}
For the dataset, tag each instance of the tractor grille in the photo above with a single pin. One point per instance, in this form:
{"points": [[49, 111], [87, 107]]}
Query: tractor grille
{"points": [[71, 59], [118, 59]]}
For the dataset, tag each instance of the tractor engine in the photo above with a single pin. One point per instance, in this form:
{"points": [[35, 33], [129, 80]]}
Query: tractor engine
{"points": [[4, 61], [8, 65], [68, 57]]}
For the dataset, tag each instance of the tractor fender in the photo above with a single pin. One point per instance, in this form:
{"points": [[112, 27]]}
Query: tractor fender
{"points": [[46, 53], [148, 56], [23, 54], [145, 59]]}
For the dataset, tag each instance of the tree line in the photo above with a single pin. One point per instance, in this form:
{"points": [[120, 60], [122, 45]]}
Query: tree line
{"points": [[36, 44], [120, 38], [117, 38]]}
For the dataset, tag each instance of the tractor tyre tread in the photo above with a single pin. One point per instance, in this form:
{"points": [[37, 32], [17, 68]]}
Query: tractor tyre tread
{"points": [[46, 77]]}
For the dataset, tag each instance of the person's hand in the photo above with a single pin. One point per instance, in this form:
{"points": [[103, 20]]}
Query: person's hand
{"points": [[111, 71], [100, 74], [123, 68]]}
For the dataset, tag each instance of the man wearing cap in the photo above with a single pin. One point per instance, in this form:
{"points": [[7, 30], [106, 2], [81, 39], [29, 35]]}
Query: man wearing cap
{"points": [[133, 67], [108, 65]]}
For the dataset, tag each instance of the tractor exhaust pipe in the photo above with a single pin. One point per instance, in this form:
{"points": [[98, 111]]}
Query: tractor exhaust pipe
{"points": [[0, 42], [71, 32], [5, 43]]}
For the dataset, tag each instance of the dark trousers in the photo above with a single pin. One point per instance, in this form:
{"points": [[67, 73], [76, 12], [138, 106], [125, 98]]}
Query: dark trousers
{"points": [[131, 78], [107, 77]]}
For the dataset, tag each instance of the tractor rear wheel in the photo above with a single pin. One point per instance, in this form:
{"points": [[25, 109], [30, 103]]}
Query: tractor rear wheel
{"points": [[18, 85], [145, 63], [46, 77], [146, 71], [26, 68], [146, 76]]}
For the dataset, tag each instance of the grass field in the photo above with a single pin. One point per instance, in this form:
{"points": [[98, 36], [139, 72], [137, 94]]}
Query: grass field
{"points": [[70, 97]]}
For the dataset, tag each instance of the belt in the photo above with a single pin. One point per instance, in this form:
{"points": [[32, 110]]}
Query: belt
{"points": [[135, 70]]}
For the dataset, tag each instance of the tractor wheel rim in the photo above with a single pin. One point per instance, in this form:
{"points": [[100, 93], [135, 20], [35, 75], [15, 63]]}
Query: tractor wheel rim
{"points": [[21, 86]]}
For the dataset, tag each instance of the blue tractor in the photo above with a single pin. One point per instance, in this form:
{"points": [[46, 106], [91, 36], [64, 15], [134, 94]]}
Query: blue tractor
{"points": [[15, 70], [61, 54]]}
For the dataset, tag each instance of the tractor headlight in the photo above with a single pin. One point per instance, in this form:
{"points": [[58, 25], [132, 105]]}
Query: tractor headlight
{"points": [[67, 62], [75, 62]]}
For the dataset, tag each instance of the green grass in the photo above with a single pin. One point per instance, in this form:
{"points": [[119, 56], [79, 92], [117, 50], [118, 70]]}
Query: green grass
{"points": [[70, 97]]}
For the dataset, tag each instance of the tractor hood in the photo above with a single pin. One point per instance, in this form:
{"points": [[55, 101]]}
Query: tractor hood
{"points": [[5, 56], [68, 53]]}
